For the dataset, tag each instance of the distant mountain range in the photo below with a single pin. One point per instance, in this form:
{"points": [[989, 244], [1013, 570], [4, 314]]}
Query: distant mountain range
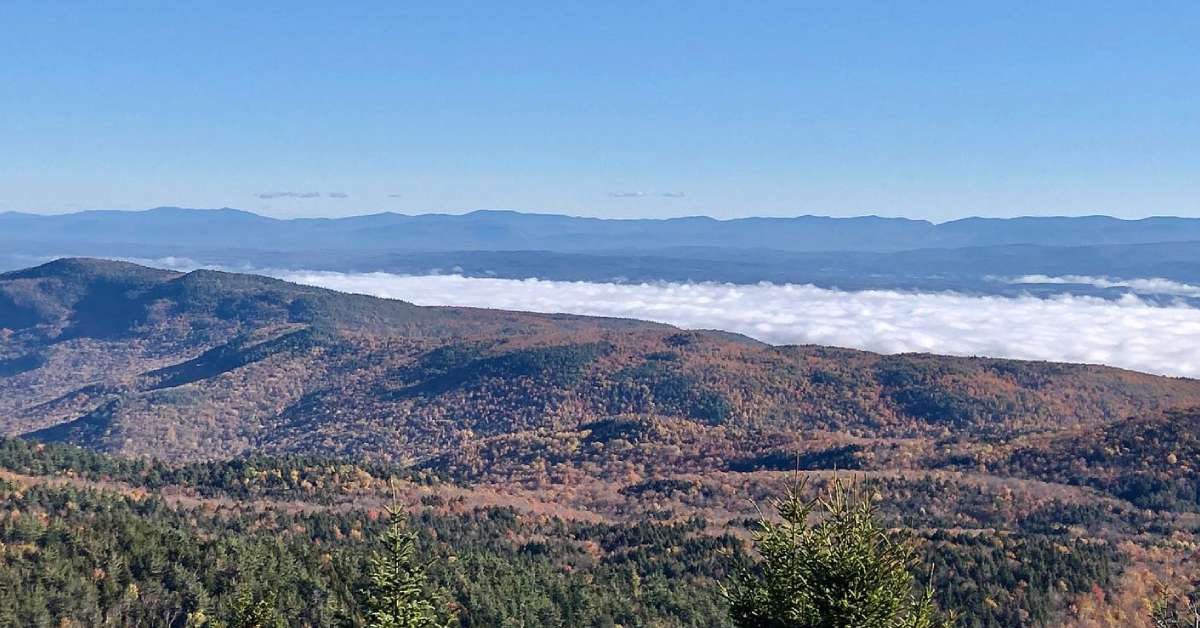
{"points": [[509, 231], [975, 255]]}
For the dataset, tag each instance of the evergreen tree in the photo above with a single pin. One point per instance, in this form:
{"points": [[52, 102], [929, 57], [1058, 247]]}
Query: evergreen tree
{"points": [[255, 611], [398, 593], [845, 571], [1176, 610]]}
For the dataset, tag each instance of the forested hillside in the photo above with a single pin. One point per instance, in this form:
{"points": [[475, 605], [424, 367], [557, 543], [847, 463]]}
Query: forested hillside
{"points": [[133, 360], [241, 435], [92, 540]]}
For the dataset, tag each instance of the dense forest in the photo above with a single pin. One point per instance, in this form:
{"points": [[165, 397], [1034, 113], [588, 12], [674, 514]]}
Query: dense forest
{"points": [[100, 541], [206, 448]]}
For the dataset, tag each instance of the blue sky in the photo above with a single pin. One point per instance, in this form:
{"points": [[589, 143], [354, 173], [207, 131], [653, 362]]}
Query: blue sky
{"points": [[932, 110]]}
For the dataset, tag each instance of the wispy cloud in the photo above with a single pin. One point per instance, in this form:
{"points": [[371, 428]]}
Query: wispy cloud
{"points": [[1127, 332], [646, 194], [273, 195]]}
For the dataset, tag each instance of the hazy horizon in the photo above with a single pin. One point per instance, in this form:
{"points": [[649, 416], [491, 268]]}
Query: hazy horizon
{"points": [[463, 212]]}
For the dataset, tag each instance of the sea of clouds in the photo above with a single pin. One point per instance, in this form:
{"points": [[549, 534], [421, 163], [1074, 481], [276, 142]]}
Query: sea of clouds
{"points": [[1126, 332], [1154, 285]]}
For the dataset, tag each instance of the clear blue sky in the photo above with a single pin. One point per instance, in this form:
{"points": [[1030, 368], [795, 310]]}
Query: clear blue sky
{"points": [[924, 109]]}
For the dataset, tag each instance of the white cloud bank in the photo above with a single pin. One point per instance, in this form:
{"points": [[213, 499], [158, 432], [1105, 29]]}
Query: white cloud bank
{"points": [[1153, 285], [1126, 332]]}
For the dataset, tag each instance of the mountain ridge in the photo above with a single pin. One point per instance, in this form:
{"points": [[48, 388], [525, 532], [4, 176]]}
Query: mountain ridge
{"points": [[511, 230], [227, 393], [207, 363]]}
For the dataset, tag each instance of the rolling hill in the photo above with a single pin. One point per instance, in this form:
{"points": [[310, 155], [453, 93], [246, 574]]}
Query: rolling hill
{"points": [[206, 364], [231, 412]]}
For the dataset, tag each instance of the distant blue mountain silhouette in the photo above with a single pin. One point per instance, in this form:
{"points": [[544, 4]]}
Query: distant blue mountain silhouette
{"points": [[510, 231]]}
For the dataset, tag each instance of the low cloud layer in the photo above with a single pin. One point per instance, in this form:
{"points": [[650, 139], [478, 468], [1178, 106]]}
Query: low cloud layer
{"points": [[1126, 332], [1153, 285]]}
